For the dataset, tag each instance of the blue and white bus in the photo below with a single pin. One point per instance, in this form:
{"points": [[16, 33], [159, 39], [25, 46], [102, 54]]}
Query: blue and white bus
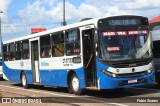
{"points": [[101, 53]]}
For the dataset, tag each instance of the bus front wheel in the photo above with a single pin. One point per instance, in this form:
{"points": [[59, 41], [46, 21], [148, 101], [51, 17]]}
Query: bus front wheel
{"points": [[24, 80], [75, 85]]}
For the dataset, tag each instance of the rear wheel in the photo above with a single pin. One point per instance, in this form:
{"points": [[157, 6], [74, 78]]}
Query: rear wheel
{"points": [[24, 80], [75, 85]]}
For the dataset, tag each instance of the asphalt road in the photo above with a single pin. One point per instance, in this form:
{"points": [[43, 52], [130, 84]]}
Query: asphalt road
{"points": [[135, 96]]}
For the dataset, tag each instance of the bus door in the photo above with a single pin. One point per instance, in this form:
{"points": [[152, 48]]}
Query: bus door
{"points": [[89, 55], [35, 60]]}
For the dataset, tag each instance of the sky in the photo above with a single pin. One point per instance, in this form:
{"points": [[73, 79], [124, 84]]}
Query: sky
{"points": [[19, 16]]}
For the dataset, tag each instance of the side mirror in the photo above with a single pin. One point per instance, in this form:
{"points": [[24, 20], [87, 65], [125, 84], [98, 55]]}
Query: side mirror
{"points": [[96, 47]]}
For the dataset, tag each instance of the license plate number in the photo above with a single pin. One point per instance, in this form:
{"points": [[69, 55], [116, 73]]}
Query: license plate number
{"points": [[132, 81]]}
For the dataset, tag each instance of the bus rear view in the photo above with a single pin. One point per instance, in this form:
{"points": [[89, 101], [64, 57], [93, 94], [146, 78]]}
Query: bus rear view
{"points": [[124, 52]]}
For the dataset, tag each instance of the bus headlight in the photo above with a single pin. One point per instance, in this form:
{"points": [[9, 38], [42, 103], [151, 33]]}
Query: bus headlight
{"points": [[149, 71], [114, 75], [108, 73]]}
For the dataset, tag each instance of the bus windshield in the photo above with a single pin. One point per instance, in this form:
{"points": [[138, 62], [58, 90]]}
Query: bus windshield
{"points": [[124, 45]]}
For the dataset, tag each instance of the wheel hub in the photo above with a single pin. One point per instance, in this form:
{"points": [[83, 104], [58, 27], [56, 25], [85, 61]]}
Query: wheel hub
{"points": [[75, 83], [23, 80]]}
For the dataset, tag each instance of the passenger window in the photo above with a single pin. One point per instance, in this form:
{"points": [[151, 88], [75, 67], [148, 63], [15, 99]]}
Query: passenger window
{"points": [[72, 43], [5, 51], [58, 45], [25, 49], [18, 51], [11, 52], [45, 46]]}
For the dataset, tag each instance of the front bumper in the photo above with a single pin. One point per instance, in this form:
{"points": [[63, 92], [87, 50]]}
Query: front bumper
{"points": [[106, 82]]}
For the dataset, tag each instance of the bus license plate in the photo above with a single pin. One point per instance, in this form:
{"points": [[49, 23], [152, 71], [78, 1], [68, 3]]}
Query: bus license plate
{"points": [[132, 81]]}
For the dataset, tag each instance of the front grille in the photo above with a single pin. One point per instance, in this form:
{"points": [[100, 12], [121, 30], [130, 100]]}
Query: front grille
{"points": [[130, 64], [128, 75], [125, 64]]}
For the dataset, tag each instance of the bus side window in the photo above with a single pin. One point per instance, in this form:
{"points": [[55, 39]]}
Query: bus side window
{"points": [[5, 50], [25, 49], [45, 46], [18, 50], [72, 42], [58, 45], [11, 52]]}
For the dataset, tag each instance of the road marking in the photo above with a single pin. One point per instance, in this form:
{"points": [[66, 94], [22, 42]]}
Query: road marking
{"points": [[36, 91], [62, 95]]}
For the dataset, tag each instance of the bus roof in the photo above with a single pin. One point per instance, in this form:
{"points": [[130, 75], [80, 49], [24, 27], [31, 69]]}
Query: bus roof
{"points": [[62, 28]]}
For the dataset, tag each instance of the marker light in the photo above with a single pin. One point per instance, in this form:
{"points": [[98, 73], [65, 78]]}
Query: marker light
{"points": [[113, 75]]}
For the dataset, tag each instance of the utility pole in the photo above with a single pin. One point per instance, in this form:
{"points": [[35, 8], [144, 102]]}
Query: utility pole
{"points": [[64, 20]]}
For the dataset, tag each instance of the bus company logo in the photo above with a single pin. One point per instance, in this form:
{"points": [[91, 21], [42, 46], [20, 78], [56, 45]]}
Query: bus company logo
{"points": [[44, 64], [133, 69]]}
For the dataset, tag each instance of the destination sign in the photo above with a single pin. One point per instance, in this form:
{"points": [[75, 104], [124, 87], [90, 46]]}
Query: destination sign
{"points": [[124, 22], [113, 49], [123, 33]]}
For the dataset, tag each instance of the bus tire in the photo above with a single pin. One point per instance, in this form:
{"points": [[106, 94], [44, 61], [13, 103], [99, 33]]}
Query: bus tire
{"points": [[75, 85], [24, 80]]}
